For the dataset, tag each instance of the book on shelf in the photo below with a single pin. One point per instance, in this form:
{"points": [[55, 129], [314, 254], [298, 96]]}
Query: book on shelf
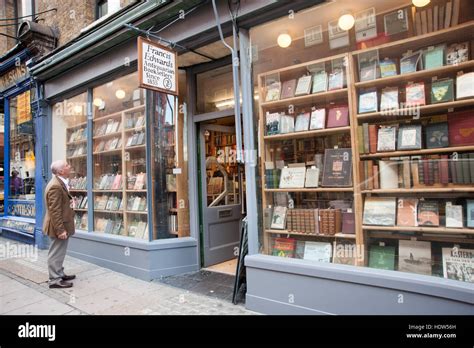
{"points": [[368, 102], [136, 203], [320, 82], [109, 127], [414, 256], [117, 183], [389, 98], [279, 218], [287, 124], [409, 137], [428, 213], [317, 251], [396, 22], [338, 116], [434, 57], [273, 123], [140, 121], [386, 139], [141, 138], [436, 135], [458, 264], [293, 177], [318, 119], [284, 247], [388, 174], [388, 67], [336, 79], [302, 122], [337, 171], [457, 53], [411, 62], [288, 89], [140, 181], [442, 91], [273, 92], [454, 215], [415, 94], [344, 253], [465, 85], [299, 249], [134, 140], [142, 230], [380, 211], [304, 85], [368, 65], [382, 257], [407, 209], [312, 177], [461, 125], [330, 221], [470, 213]]}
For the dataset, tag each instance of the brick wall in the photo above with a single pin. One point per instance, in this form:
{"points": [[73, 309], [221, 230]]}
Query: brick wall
{"points": [[7, 10]]}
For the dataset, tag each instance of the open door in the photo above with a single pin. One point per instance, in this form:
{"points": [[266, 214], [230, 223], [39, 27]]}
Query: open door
{"points": [[221, 191]]}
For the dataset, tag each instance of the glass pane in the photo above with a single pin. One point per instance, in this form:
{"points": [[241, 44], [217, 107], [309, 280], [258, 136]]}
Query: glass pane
{"points": [[70, 143], [22, 154], [119, 158], [215, 90]]}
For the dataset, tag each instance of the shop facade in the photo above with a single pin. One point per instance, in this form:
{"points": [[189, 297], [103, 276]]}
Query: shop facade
{"points": [[157, 182]]}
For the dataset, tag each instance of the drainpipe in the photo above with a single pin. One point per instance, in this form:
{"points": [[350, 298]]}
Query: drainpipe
{"points": [[235, 75]]}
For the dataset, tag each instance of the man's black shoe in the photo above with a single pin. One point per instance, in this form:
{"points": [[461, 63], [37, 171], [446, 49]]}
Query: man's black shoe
{"points": [[68, 277], [60, 285]]}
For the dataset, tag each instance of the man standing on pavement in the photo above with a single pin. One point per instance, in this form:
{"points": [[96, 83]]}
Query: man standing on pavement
{"points": [[58, 223]]}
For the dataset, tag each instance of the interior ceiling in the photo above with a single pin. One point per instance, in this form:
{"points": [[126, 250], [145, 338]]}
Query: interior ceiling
{"points": [[213, 50], [318, 15]]}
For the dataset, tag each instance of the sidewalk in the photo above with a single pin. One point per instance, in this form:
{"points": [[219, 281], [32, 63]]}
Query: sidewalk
{"points": [[24, 290]]}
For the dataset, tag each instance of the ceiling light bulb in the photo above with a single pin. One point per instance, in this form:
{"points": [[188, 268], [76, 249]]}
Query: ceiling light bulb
{"points": [[120, 93], [98, 102], [346, 21], [77, 109], [420, 3], [284, 40]]}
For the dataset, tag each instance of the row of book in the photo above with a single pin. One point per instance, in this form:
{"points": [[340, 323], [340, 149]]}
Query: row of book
{"points": [[437, 16], [408, 256], [80, 221], [455, 132], [135, 120], [280, 123], [136, 181], [136, 139], [109, 127], [106, 202], [78, 135], [173, 224], [223, 139], [371, 67], [76, 150], [78, 183], [418, 171], [108, 182], [311, 83], [110, 226], [441, 91], [108, 145], [412, 212], [80, 202], [137, 203], [138, 229]]}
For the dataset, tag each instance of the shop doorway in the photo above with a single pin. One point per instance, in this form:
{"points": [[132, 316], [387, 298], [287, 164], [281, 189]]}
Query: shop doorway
{"points": [[221, 189]]}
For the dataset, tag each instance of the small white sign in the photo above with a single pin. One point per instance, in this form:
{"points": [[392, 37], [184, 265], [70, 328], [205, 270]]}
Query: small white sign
{"points": [[313, 35], [176, 170], [157, 68]]}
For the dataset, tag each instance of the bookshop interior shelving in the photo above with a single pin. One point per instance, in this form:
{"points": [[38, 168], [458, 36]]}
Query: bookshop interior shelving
{"points": [[405, 186]]}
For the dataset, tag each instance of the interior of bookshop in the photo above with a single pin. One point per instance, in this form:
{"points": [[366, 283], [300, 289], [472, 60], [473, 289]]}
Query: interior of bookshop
{"points": [[367, 135], [112, 190]]}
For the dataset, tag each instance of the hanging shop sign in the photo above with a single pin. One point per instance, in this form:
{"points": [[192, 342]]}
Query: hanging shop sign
{"points": [[23, 108], [157, 67], [13, 76]]}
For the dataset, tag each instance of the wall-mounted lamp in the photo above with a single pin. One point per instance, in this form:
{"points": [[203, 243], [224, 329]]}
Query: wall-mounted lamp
{"points": [[284, 40], [346, 21], [98, 102], [120, 93], [420, 3]]}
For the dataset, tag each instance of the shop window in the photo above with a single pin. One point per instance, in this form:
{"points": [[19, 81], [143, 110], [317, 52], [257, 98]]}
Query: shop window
{"points": [[22, 156], [69, 129], [215, 90], [362, 157]]}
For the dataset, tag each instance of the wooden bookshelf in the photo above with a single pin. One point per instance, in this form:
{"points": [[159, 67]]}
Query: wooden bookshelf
{"points": [[108, 211], [77, 142], [307, 134], [320, 189], [291, 233], [108, 152], [418, 152], [110, 135], [143, 212], [431, 238], [440, 230], [307, 99], [422, 190], [106, 117]]}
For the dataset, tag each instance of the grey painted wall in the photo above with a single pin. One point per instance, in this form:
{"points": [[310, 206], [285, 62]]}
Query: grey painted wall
{"points": [[289, 286], [140, 259]]}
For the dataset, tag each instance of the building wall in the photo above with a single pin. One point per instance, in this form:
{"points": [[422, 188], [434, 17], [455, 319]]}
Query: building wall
{"points": [[7, 10], [71, 16]]}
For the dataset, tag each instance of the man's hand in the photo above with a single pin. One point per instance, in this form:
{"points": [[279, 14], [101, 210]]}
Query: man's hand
{"points": [[63, 235]]}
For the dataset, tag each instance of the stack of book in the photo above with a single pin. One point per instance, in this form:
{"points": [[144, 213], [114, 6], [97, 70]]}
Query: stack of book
{"points": [[111, 226], [302, 220]]}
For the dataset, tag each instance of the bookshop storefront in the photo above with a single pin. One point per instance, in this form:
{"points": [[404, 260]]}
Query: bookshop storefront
{"points": [[19, 170], [365, 149]]}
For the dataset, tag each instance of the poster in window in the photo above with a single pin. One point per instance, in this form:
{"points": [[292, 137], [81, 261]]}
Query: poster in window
{"points": [[365, 25]]}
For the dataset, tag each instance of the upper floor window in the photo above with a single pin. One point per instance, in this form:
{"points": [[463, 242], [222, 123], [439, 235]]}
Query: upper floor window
{"points": [[102, 8]]}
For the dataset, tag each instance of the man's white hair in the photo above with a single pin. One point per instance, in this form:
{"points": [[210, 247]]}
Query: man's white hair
{"points": [[57, 166]]}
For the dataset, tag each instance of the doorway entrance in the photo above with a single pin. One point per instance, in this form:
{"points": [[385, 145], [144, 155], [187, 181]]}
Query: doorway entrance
{"points": [[221, 190]]}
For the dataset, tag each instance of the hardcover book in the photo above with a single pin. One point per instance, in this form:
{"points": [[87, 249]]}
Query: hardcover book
{"points": [[273, 123], [338, 117], [317, 251], [454, 216], [389, 98], [302, 122], [442, 91], [428, 213], [457, 53], [140, 182], [386, 139], [288, 89], [434, 57], [407, 209], [414, 256], [345, 254], [415, 94], [410, 62], [368, 70], [312, 177], [396, 22], [320, 82], [465, 85], [336, 79], [304, 85], [409, 137], [458, 264], [287, 124], [337, 168], [284, 247], [437, 135], [368, 102], [470, 213], [293, 177], [273, 92], [461, 128], [388, 67], [318, 119], [382, 257], [379, 211], [279, 218]]}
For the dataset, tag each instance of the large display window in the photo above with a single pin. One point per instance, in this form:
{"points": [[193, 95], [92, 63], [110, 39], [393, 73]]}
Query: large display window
{"points": [[365, 154]]}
